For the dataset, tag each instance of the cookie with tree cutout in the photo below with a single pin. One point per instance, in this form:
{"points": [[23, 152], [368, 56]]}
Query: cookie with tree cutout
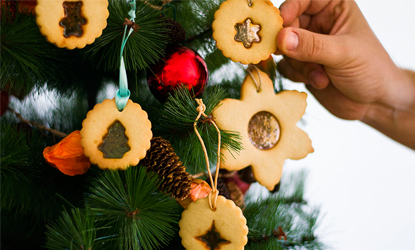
{"points": [[114, 139], [71, 23]]}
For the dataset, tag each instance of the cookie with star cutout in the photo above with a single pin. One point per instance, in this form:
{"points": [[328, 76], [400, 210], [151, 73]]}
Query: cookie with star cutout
{"points": [[247, 33], [202, 228], [71, 23]]}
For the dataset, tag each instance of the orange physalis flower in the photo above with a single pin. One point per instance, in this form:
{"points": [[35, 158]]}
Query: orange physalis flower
{"points": [[68, 155], [199, 189]]}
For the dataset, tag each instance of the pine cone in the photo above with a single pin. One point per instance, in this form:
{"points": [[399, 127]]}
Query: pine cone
{"points": [[162, 160], [236, 194], [222, 188], [176, 32]]}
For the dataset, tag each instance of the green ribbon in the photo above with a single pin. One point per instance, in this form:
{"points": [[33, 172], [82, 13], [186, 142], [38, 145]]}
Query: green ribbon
{"points": [[123, 94]]}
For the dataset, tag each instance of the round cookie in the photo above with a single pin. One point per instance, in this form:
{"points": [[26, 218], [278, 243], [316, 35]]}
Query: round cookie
{"points": [[261, 21], [201, 228], [71, 23], [267, 123], [101, 131]]}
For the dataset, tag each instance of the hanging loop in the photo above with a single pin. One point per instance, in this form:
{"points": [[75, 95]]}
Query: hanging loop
{"points": [[123, 94], [169, 5], [257, 83], [213, 195]]}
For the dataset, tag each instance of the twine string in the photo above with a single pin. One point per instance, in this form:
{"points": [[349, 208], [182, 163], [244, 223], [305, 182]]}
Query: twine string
{"points": [[158, 7], [123, 94], [213, 195], [257, 83]]}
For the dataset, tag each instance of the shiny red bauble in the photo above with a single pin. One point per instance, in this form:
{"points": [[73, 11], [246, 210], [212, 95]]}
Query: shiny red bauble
{"points": [[181, 66]]}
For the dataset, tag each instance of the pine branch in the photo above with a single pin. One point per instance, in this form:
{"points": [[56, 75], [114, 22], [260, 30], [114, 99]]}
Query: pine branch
{"points": [[29, 185], [75, 230], [195, 15], [206, 33], [143, 47], [27, 59], [296, 219], [19, 175], [175, 123], [52, 131], [215, 60], [130, 203], [16, 151]]}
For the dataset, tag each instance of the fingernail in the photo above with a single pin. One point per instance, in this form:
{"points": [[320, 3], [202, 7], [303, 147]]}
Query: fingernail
{"points": [[291, 41]]}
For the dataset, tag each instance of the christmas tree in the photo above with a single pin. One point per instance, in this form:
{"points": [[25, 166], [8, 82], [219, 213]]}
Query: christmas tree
{"points": [[51, 195]]}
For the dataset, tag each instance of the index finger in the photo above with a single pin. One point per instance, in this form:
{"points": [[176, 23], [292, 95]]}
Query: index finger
{"points": [[291, 9]]}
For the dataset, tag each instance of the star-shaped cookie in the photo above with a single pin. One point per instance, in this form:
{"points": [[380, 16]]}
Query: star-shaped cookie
{"points": [[267, 123]]}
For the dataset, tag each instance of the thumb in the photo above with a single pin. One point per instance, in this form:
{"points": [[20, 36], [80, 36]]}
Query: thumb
{"points": [[306, 46]]}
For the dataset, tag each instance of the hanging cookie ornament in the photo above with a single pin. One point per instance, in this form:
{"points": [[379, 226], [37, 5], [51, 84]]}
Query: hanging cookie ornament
{"points": [[71, 23], [246, 30], [212, 222], [116, 133], [267, 124]]}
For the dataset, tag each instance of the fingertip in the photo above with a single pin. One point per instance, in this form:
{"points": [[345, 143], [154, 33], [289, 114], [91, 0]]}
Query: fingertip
{"points": [[318, 79], [278, 52], [287, 40], [288, 12]]}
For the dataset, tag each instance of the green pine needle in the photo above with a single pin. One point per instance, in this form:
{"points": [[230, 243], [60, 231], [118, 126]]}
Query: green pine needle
{"points": [[27, 59], [196, 16], [287, 210], [14, 149], [19, 175], [270, 244], [130, 203], [263, 216], [175, 123], [143, 47], [75, 230]]}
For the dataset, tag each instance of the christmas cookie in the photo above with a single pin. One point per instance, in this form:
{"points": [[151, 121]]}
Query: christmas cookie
{"points": [[115, 139], [71, 23], [202, 228], [247, 33], [267, 123]]}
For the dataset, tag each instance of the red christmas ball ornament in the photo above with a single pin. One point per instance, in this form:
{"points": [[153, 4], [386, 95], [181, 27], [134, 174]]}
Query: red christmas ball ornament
{"points": [[180, 66]]}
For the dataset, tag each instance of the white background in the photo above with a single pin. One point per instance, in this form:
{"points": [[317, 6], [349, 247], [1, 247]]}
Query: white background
{"points": [[363, 181]]}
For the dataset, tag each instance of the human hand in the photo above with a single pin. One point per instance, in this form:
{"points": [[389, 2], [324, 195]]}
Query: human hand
{"points": [[329, 46]]}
